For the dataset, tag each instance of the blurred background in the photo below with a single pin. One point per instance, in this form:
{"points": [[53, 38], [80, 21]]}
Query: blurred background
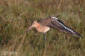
{"points": [[17, 15]]}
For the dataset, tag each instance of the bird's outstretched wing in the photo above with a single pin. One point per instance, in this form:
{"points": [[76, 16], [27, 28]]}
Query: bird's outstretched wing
{"points": [[58, 24], [53, 23]]}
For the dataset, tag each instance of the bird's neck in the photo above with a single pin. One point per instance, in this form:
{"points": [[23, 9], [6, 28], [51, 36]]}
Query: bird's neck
{"points": [[38, 25]]}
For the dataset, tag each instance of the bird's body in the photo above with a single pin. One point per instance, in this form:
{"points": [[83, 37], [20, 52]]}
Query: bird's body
{"points": [[44, 26]]}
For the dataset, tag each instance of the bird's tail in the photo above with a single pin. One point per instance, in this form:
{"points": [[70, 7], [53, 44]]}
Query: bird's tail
{"points": [[77, 34], [71, 31]]}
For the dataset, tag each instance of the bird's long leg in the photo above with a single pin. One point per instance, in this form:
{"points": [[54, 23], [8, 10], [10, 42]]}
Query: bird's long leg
{"points": [[44, 43], [44, 34], [44, 39]]}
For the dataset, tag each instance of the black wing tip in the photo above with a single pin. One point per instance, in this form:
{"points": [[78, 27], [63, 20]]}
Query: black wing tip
{"points": [[78, 35]]}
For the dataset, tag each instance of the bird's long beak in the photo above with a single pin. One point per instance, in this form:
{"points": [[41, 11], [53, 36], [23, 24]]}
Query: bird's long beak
{"points": [[29, 28]]}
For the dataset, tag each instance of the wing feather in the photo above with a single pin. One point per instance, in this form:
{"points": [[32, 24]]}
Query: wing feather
{"points": [[60, 25], [57, 24]]}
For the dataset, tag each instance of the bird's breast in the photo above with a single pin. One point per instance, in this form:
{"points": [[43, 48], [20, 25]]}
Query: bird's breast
{"points": [[42, 29]]}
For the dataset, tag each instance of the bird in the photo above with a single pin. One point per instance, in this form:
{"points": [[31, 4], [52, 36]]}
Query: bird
{"points": [[44, 25]]}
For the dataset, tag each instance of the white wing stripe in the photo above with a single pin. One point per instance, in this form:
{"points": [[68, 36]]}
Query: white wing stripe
{"points": [[63, 25]]}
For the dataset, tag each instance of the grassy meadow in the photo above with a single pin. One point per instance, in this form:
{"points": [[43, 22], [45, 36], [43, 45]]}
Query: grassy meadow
{"points": [[17, 15]]}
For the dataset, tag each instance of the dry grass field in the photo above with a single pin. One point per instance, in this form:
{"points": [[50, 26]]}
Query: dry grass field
{"points": [[17, 15]]}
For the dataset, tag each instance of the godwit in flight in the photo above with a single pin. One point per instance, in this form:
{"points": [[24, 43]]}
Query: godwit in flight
{"points": [[44, 26]]}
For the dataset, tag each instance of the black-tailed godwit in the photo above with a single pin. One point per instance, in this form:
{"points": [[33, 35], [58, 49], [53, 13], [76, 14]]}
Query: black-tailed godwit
{"points": [[44, 25]]}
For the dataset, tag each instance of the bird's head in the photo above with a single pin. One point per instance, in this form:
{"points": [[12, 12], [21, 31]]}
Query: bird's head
{"points": [[34, 25]]}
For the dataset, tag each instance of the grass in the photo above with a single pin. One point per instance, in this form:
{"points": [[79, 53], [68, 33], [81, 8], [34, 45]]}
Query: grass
{"points": [[17, 15]]}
